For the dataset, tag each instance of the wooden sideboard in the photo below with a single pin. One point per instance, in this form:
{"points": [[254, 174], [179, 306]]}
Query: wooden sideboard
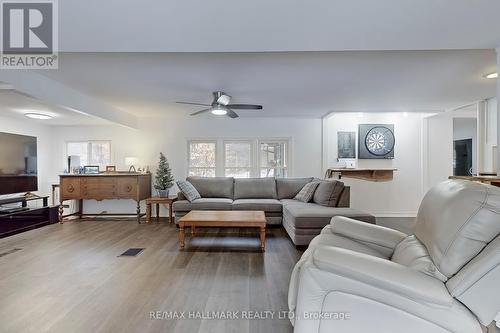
{"points": [[99, 187]]}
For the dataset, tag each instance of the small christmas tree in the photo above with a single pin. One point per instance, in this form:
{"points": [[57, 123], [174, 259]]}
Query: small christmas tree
{"points": [[163, 178]]}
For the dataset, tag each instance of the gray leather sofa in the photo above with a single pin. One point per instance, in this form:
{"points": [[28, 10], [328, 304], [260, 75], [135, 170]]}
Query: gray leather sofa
{"points": [[358, 277], [302, 221]]}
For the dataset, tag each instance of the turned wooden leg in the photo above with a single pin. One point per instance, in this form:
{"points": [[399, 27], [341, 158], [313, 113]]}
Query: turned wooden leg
{"points": [[148, 213], [80, 209], [61, 212], [181, 236], [262, 238], [170, 218], [157, 213], [138, 212], [192, 231]]}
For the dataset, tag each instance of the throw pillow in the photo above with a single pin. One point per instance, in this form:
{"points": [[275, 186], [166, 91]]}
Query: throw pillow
{"points": [[307, 192], [328, 193], [188, 190]]}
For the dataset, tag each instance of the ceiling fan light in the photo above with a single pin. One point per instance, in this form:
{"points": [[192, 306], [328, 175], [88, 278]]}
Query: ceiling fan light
{"points": [[224, 99], [39, 116], [219, 111]]}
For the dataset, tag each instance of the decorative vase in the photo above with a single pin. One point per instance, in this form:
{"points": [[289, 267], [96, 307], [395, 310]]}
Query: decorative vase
{"points": [[163, 193]]}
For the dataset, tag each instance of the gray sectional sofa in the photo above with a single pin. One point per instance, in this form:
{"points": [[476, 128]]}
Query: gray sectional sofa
{"points": [[302, 221]]}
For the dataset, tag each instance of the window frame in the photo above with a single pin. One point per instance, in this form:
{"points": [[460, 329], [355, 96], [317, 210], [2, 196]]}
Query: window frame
{"points": [[89, 149], [285, 168], [188, 155], [220, 153], [250, 168]]}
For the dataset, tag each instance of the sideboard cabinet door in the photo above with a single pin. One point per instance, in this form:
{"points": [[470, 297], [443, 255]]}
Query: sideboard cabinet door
{"points": [[70, 188], [127, 187]]}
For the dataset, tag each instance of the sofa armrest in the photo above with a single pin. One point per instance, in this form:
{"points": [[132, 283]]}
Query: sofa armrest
{"points": [[381, 238], [383, 274]]}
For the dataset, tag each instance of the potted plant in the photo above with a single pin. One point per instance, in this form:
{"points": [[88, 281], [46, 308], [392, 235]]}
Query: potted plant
{"points": [[163, 178]]}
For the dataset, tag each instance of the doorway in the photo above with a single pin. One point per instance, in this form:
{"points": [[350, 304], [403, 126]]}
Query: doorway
{"points": [[462, 157]]}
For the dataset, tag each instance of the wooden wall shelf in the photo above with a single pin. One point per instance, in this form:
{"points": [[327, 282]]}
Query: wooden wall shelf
{"points": [[373, 175], [492, 180]]}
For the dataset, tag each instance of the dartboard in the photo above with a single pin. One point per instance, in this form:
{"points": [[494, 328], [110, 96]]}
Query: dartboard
{"points": [[379, 141]]}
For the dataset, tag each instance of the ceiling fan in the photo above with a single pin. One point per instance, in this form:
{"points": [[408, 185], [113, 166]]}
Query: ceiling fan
{"points": [[221, 107]]}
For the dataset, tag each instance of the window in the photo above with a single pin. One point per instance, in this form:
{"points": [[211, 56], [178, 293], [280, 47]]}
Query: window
{"points": [[91, 152], [238, 159], [202, 158], [273, 159]]}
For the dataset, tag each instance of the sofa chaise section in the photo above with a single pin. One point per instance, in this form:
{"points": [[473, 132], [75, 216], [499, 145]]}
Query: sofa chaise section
{"points": [[304, 221]]}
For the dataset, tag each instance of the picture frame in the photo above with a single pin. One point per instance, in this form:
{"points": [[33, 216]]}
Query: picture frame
{"points": [[110, 168], [346, 145], [91, 169]]}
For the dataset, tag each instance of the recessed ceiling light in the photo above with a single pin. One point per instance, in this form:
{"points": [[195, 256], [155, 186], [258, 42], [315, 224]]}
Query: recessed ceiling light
{"points": [[492, 76], [218, 111], [39, 116]]}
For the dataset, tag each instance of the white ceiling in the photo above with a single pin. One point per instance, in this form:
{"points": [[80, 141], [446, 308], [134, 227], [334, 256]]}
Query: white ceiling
{"points": [[278, 25], [15, 105], [301, 84]]}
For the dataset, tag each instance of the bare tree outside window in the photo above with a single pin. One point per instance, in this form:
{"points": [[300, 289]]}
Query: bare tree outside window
{"points": [[202, 159]]}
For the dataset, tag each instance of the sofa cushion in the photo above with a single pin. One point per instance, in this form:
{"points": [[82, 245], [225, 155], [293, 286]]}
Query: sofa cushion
{"points": [[254, 188], [287, 188], [188, 190], [203, 204], [266, 205], [213, 187], [313, 216], [307, 192], [328, 193]]}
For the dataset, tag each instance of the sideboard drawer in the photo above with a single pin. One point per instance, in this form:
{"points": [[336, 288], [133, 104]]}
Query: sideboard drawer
{"points": [[70, 188], [98, 188]]}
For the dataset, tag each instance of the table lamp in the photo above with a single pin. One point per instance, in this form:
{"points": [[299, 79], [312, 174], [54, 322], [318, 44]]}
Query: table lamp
{"points": [[130, 162]]}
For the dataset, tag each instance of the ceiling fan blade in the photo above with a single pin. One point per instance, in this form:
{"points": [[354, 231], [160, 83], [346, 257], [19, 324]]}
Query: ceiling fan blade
{"points": [[201, 111], [189, 103], [245, 106], [232, 114]]}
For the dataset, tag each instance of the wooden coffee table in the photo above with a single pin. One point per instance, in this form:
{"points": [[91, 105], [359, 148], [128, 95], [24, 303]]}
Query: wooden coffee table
{"points": [[218, 219]]}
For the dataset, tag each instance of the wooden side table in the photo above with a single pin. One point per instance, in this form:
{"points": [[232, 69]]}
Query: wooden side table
{"points": [[157, 201]]}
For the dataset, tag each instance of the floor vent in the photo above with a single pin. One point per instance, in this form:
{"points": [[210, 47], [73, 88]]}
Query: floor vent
{"points": [[132, 252], [3, 254]]}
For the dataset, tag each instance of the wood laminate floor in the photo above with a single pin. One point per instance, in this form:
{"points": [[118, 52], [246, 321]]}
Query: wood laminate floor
{"points": [[69, 278]]}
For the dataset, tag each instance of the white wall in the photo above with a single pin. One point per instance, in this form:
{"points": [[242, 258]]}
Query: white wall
{"points": [[169, 135], [490, 136], [402, 195], [44, 147]]}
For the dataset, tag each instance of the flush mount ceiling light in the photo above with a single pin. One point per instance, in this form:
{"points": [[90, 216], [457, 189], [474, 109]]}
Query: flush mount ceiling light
{"points": [[39, 116], [492, 76], [219, 111]]}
